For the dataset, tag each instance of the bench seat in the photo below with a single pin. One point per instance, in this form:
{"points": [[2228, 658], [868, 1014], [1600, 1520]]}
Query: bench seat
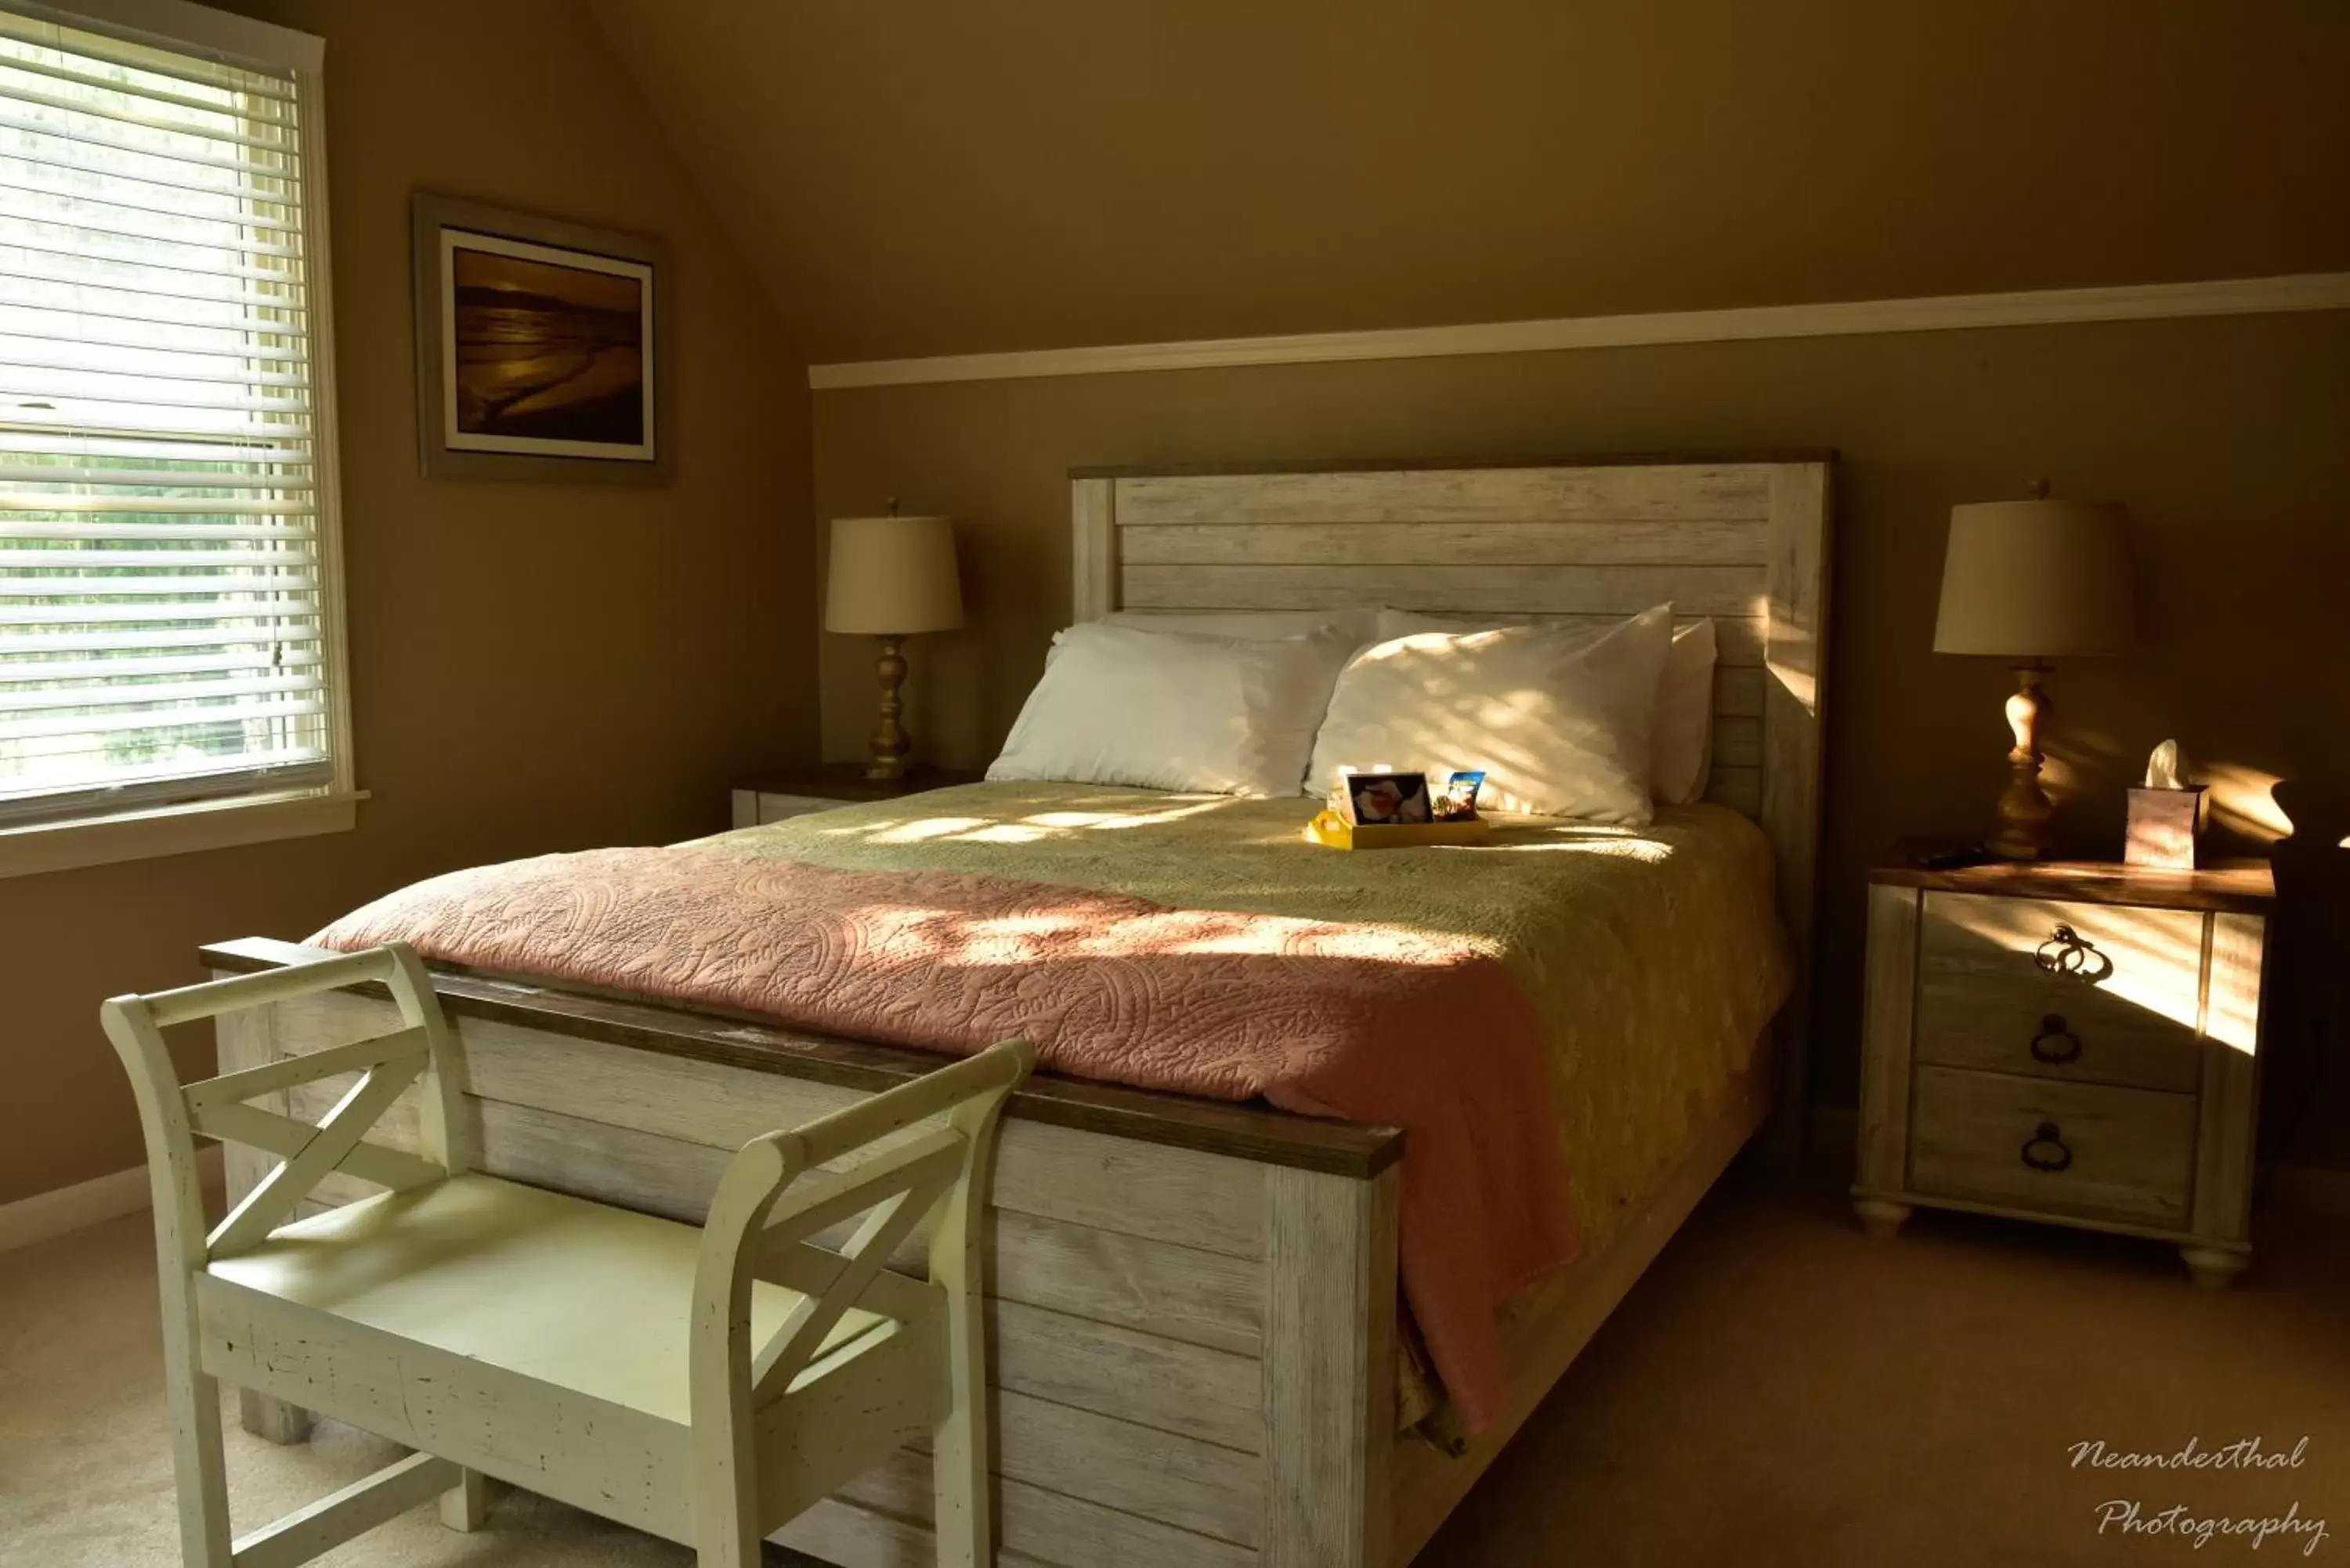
{"points": [[554, 1288], [706, 1383]]}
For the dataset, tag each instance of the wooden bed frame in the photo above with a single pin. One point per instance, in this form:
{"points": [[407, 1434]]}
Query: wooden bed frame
{"points": [[1194, 1302]]}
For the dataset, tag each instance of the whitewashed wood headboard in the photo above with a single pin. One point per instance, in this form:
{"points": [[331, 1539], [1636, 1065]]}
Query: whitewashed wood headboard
{"points": [[1743, 540]]}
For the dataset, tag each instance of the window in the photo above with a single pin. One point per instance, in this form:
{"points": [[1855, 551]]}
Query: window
{"points": [[167, 602]]}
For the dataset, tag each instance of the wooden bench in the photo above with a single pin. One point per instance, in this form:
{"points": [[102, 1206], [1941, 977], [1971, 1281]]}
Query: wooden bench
{"points": [[703, 1384]]}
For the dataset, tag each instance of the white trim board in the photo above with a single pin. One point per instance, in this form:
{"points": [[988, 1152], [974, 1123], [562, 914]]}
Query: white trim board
{"points": [[46, 1215], [2031, 307], [35, 848], [183, 26]]}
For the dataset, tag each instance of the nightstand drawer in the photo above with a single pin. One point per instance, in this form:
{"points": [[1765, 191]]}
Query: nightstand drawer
{"points": [[2096, 993], [2084, 1149]]}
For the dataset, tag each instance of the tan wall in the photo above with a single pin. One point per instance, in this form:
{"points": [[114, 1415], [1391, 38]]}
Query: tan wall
{"points": [[937, 177], [2224, 436], [536, 666], [933, 176]]}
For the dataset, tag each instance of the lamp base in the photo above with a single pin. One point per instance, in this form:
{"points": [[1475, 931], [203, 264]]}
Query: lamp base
{"points": [[2027, 818], [891, 745]]}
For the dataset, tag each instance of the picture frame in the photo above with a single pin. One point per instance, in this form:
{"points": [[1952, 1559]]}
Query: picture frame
{"points": [[1456, 800], [1385, 799], [541, 347]]}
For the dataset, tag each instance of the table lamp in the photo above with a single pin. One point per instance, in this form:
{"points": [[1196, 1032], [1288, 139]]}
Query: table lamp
{"points": [[2031, 581], [891, 577]]}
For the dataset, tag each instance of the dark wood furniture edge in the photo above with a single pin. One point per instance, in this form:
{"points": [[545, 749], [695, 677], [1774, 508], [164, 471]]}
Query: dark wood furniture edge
{"points": [[1255, 1133], [2245, 887], [1392, 464], [848, 778]]}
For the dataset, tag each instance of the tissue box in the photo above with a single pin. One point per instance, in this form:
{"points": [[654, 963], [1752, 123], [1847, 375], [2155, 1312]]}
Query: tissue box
{"points": [[2162, 823]]}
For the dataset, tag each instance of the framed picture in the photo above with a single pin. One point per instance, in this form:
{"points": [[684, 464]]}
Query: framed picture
{"points": [[539, 351], [1378, 799], [1457, 801]]}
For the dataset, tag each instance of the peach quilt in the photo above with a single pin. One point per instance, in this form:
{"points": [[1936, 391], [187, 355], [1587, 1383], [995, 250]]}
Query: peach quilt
{"points": [[1419, 1029]]}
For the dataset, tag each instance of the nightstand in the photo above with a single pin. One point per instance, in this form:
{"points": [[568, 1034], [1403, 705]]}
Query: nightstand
{"points": [[2070, 1041], [772, 797]]}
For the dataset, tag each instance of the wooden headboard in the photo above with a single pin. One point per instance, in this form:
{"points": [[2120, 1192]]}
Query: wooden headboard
{"points": [[1743, 540]]}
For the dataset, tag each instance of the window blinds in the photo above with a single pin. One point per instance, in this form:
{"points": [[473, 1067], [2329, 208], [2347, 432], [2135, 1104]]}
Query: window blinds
{"points": [[161, 605]]}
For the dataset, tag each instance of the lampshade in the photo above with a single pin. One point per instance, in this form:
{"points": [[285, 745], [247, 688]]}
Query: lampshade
{"points": [[2036, 579], [892, 576]]}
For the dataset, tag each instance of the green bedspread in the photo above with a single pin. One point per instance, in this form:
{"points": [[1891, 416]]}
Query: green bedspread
{"points": [[1653, 955]]}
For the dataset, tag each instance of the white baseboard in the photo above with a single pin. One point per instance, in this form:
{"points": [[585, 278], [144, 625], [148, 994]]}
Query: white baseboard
{"points": [[1835, 1131], [86, 1203]]}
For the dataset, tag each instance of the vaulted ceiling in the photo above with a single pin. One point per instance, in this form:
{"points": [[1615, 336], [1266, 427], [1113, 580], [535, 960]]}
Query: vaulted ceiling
{"points": [[939, 176]]}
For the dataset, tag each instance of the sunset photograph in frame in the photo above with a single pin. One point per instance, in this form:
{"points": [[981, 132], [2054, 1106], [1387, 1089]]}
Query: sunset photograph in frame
{"points": [[538, 346]]}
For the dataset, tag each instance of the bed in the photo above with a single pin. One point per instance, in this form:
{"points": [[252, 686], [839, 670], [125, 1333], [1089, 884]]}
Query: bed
{"points": [[1196, 1324]]}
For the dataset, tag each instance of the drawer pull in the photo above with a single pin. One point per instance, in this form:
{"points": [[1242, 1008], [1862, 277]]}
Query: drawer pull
{"points": [[2055, 1044], [2067, 952], [2047, 1150]]}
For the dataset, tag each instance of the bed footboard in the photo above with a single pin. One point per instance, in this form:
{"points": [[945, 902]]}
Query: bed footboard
{"points": [[1192, 1305], [1329, 1367]]}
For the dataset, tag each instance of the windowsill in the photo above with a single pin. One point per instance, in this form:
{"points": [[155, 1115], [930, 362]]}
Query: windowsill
{"points": [[176, 830]]}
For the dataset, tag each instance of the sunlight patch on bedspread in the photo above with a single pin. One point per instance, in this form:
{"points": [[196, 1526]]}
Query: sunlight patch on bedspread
{"points": [[1652, 955]]}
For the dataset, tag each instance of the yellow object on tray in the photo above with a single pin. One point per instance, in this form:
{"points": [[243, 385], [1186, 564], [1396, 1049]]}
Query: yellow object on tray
{"points": [[1335, 832]]}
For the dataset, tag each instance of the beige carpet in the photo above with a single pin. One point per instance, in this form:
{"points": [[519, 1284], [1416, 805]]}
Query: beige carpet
{"points": [[1779, 1390]]}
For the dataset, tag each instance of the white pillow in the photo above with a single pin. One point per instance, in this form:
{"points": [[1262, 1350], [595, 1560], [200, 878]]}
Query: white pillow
{"points": [[1118, 705], [1680, 749], [1361, 624], [1559, 720]]}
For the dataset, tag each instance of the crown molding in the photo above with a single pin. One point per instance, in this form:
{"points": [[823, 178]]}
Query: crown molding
{"points": [[2031, 307]]}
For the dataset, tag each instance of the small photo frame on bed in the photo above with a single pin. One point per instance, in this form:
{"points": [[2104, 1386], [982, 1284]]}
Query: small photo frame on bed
{"points": [[1384, 800], [1457, 800]]}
